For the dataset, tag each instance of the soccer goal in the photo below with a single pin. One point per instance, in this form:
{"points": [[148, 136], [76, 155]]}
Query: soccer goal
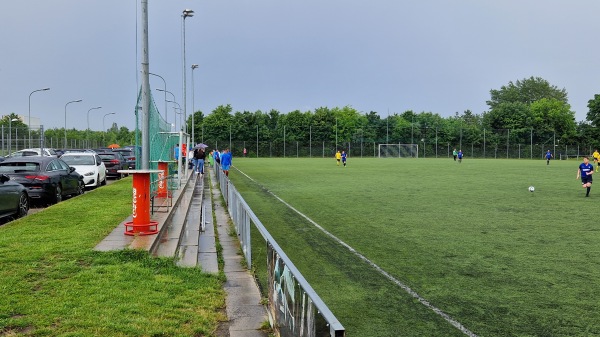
{"points": [[398, 150]]}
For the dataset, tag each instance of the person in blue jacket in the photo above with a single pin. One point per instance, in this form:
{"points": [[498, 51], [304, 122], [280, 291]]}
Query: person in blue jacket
{"points": [[226, 161]]}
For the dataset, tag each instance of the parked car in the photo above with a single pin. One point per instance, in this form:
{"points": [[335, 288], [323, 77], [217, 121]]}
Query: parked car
{"points": [[114, 162], [35, 152], [75, 150], [129, 157], [14, 200], [47, 179], [89, 165]]}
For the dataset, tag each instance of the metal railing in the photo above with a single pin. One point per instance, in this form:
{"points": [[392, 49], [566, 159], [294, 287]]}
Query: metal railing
{"points": [[295, 309]]}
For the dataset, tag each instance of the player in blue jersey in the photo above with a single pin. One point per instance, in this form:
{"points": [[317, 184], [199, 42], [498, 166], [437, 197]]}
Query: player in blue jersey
{"points": [[344, 156], [548, 157], [460, 155], [585, 172]]}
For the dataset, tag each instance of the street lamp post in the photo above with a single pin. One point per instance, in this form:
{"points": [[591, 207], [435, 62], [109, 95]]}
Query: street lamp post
{"points": [[79, 100], [180, 113], [103, 119], [194, 66], [165, 90], [176, 116], [88, 124], [103, 126], [186, 13], [10, 120], [29, 116]]}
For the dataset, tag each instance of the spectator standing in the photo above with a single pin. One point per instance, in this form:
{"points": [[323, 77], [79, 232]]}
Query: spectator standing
{"points": [[199, 156], [226, 161], [217, 157], [211, 159]]}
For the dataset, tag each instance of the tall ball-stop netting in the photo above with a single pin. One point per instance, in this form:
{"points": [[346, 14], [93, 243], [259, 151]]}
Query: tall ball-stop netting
{"points": [[162, 141]]}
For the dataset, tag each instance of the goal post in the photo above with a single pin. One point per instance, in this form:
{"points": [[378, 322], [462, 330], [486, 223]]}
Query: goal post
{"points": [[398, 150]]}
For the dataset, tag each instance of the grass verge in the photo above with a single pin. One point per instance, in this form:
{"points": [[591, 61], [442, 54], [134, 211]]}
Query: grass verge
{"points": [[54, 284]]}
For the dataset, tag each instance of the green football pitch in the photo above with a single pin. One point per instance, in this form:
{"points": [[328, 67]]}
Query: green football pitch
{"points": [[469, 238]]}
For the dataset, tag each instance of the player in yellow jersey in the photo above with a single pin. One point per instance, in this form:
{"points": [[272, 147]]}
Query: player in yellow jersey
{"points": [[338, 157], [596, 156]]}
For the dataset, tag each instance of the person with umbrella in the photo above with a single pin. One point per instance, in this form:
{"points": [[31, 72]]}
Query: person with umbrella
{"points": [[199, 156]]}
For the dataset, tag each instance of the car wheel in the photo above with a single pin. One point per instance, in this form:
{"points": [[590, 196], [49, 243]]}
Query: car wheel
{"points": [[57, 195], [80, 188], [103, 181], [98, 183], [23, 205]]}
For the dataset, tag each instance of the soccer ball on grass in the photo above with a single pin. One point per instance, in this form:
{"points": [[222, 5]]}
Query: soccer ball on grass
{"points": [[531, 189]]}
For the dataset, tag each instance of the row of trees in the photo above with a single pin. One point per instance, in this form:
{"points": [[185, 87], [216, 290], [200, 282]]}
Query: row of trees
{"points": [[527, 111]]}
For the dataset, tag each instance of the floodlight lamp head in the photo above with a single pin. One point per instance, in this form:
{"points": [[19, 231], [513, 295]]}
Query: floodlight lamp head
{"points": [[194, 66], [45, 89], [188, 12]]}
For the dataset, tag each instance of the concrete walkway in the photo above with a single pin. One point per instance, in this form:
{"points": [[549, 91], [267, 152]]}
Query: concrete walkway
{"points": [[245, 313]]}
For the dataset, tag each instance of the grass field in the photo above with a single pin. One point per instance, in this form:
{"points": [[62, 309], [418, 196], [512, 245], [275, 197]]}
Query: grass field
{"points": [[469, 238]]}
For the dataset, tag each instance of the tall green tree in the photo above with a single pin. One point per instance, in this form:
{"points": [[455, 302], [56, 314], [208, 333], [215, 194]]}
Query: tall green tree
{"points": [[593, 114], [526, 91], [218, 124]]}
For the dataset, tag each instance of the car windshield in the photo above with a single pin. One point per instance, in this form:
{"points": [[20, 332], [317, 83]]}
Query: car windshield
{"points": [[106, 156], [79, 160], [24, 154], [19, 167]]}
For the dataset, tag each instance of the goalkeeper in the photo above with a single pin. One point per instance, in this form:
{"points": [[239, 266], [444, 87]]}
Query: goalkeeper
{"points": [[338, 157]]}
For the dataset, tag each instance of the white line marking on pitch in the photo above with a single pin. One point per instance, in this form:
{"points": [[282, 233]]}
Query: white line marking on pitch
{"points": [[406, 288]]}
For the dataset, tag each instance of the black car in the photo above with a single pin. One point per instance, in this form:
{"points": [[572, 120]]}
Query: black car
{"points": [[14, 200], [114, 162], [47, 179], [129, 156]]}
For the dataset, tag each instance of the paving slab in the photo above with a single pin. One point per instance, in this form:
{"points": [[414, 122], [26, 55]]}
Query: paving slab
{"points": [[188, 256], [208, 262]]}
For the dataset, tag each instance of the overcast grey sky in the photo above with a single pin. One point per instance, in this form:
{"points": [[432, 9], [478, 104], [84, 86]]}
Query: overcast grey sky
{"points": [[378, 55]]}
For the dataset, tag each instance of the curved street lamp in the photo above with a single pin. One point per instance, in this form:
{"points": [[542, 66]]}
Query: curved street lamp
{"points": [[165, 90], [88, 124], [29, 116], [177, 113], [103, 127], [79, 100]]}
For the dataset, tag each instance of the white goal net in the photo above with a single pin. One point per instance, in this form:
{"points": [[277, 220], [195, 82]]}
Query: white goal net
{"points": [[398, 150]]}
